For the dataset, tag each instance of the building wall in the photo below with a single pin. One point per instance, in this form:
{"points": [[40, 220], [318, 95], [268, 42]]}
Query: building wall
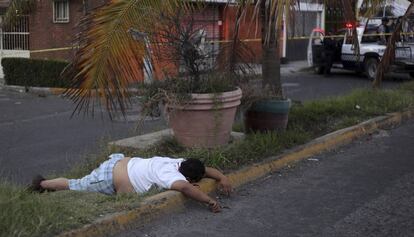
{"points": [[248, 30], [45, 34], [218, 20]]}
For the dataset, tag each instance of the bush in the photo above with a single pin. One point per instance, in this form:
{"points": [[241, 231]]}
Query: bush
{"points": [[34, 72]]}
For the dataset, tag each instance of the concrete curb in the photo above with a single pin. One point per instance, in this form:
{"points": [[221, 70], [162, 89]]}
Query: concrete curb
{"points": [[170, 200], [44, 90], [35, 90], [150, 139]]}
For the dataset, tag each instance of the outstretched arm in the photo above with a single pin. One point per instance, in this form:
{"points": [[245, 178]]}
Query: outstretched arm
{"points": [[223, 182], [192, 192]]}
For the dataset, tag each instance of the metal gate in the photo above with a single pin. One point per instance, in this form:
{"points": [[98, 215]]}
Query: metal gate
{"points": [[302, 26], [14, 40]]}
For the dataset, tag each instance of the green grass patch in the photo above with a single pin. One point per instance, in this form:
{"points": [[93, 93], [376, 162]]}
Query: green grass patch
{"points": [[27, 214], [30, 214]]}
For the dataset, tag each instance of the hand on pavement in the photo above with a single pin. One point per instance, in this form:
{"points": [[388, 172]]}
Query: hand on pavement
{"points": [[224, 185], [214, 206]]}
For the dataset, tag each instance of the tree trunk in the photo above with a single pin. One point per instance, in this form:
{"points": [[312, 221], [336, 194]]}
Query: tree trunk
{"points": [[270, 58]]}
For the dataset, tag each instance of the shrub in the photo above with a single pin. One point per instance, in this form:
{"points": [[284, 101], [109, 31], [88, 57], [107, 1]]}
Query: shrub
{"points": [[34, 72]]}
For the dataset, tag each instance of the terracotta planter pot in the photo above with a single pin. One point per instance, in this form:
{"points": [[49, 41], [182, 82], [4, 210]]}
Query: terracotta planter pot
{"points": [[206, 121], [267, 115]]}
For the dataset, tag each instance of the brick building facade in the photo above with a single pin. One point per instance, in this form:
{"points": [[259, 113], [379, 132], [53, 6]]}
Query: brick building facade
{"points": [[53, 26], [47, 32]]}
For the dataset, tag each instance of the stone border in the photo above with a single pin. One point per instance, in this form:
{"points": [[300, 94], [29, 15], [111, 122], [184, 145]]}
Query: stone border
{"points": [[168, 201], [44, 90], [147, 140]]}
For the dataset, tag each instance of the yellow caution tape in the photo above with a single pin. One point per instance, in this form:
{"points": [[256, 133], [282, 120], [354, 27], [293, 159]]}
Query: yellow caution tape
{"points": [[226, 41], [52, 50]]}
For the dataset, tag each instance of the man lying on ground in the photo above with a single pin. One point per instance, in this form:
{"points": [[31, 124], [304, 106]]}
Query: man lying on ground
{"points": [[121, 174]]}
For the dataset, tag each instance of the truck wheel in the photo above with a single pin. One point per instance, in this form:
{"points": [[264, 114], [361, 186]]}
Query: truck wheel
{"points": [[371, 67]]}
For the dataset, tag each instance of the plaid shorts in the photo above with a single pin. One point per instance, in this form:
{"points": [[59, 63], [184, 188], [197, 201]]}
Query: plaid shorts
{"points": [[100, 179]]}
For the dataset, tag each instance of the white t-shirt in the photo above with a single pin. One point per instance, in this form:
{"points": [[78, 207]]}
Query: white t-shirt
{"points": [[159, 171]]}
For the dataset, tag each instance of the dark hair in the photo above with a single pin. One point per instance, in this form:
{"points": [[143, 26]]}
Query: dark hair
{"points": [[192, 169]]}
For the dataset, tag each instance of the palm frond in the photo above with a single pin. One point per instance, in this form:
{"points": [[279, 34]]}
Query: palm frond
{"points": [[109, 59]]}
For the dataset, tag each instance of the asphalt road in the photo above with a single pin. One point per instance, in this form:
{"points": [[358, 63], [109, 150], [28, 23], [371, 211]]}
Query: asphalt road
{"points": [[38, 135], [363, 189], [304, 86]]}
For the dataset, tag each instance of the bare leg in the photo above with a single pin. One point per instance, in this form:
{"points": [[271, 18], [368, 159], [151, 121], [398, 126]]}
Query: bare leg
{"points": [[55, 184]]}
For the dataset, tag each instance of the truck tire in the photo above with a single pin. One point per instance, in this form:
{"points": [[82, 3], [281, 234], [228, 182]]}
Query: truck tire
{"points": [[371, 68]]}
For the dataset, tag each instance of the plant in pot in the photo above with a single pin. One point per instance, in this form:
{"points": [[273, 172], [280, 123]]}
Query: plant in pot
{"points": [[196, 81], [269, 108], [200, 99]]}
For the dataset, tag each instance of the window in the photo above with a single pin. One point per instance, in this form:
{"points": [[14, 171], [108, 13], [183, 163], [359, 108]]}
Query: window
{"points": [[370, 36], [61, 11]]}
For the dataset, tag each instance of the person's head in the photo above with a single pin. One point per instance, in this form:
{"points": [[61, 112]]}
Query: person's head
{"points": [[385, 20], [192, 169]]}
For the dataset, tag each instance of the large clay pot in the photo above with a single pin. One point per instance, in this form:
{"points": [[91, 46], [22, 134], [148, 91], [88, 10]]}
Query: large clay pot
{"points": [[267, 115], [206, 121]]}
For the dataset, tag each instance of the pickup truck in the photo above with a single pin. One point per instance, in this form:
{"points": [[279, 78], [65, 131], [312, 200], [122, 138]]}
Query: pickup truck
{"points": [[370, 54]]}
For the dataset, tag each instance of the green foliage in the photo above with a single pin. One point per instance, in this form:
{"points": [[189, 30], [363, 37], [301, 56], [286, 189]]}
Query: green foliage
{"points": [[238, 126], [177, 91], [408, 87], [324, 116], [34, 72], [210, 83]]}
